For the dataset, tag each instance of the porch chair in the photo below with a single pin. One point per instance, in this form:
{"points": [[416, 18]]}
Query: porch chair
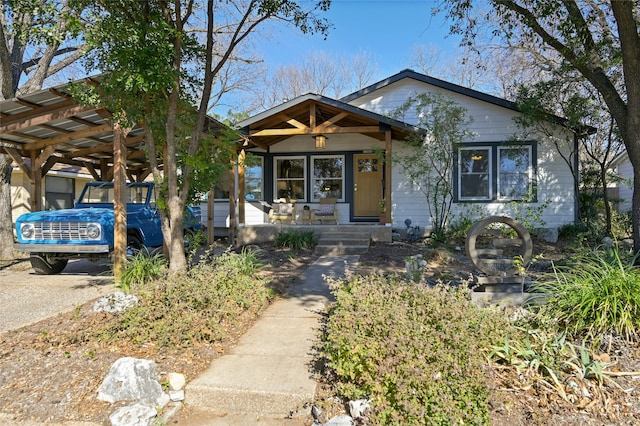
{"points": [[326, 211], [283, 210]]}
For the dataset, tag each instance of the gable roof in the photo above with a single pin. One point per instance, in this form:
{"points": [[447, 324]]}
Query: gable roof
{"points": [[407, 73], [313, 114]]}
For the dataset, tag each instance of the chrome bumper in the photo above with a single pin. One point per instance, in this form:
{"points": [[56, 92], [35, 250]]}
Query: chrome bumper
{"points": [[62, 248]]}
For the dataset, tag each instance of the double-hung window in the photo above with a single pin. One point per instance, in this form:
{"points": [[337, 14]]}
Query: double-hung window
{"points": [[253, 181], [328, 177], [514, 178], [290, 173], [495, 172]]}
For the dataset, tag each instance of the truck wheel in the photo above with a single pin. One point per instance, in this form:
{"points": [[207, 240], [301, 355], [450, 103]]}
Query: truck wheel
{"points": [[134, 245], [43, 266]]}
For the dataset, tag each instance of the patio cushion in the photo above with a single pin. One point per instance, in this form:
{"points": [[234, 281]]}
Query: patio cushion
{"points": [[286, 208], [325, 210]]}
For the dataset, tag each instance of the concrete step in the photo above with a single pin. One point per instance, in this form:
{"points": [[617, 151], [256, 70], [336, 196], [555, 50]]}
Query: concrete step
{"points": [[334, 243]]}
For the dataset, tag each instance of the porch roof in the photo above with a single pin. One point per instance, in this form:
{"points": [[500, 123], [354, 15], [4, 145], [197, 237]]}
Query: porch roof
{"points": [[313, 114]]}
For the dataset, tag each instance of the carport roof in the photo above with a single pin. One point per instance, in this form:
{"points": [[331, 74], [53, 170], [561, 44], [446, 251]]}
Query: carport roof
{"points": [[51, 122]]}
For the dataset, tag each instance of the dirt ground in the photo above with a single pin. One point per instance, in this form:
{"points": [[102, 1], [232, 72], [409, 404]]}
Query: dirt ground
{"points": [[45, 378]]}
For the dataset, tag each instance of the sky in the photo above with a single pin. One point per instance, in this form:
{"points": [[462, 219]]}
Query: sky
{"points": [[387, 29]]}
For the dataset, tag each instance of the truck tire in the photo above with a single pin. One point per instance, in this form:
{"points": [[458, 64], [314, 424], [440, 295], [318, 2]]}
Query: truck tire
{"points": [[43, 266], [134, 245]]}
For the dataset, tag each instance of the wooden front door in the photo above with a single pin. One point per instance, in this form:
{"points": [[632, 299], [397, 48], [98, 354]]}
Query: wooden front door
{"points": [[367, 185]]}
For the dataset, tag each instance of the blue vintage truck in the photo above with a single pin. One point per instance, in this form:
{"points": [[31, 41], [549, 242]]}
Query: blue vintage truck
{"points": [[53, 237]]}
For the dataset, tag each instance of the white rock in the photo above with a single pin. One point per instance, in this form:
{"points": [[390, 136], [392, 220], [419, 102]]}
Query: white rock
{"points": [[131, 379], [176, 395], [176, 381], [358, 407], [116, 302], [134, 415], [341, 420]]}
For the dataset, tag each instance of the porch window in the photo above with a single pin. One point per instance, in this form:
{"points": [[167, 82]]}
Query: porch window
{"points": [[514, 180], [290, 179], [328, 177], [253, 181], [474, 173], [59, 193]]}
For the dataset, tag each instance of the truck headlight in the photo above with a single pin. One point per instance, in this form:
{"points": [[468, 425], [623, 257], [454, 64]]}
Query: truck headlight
{"points": [[93, 231], [27, 230]]}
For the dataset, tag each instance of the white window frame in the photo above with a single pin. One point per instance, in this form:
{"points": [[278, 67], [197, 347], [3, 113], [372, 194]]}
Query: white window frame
{"points": [[312, 175], [529, 172], [490, 173], [303, 179]]}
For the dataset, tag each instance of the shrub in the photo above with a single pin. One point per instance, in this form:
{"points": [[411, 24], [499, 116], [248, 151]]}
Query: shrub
{"points": [[296, 239], [197, 306], [598, 294], [141, 268], [416, 352]]}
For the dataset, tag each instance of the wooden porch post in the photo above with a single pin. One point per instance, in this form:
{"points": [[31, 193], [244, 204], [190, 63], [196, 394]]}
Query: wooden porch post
{"points": [[241, 187], [387, 172], [120, 200], [232, 206], [36, 182]]}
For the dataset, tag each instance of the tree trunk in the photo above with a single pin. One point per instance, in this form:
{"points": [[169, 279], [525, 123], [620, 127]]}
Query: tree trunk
{"points": [[6, 223]]}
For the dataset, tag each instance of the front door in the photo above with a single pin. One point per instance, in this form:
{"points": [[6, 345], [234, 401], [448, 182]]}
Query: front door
{"points": [[367, 185]]}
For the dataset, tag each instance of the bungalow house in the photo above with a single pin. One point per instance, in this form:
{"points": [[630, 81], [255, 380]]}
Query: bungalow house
{"points": [[313, 147]]}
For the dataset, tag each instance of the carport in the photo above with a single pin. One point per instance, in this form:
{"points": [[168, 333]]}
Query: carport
{"points": [[47, 127]]}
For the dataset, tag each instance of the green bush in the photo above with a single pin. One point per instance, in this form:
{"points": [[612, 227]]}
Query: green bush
{"points": [[417, 352], [296, 239], [198, 306], [141, 268], [599, 293]]}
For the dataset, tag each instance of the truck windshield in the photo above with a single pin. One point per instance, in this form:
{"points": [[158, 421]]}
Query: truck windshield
{"points": [[105, 194]]}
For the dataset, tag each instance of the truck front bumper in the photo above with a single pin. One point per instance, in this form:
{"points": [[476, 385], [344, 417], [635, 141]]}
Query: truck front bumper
{"points": [[62, 248]]}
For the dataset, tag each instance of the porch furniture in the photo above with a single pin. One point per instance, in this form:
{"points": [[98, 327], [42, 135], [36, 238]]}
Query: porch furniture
{"points": [[305, 215], [283, 210], [326, 212]]}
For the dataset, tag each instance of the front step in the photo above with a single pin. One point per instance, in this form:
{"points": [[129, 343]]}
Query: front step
{"points": [[335, 243]]}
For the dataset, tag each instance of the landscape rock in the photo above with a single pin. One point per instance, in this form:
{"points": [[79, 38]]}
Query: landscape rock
{"points": [[176, 381], [341, 420], [114, 303], [176, 395], [134, 415], [359, 407], [131, 379]]}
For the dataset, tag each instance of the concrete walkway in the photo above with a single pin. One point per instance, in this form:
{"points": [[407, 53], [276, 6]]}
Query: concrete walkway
{"points": [[267, 378]]}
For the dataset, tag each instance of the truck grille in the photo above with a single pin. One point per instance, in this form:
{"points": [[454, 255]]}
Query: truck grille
{"points": [[60, 231]]}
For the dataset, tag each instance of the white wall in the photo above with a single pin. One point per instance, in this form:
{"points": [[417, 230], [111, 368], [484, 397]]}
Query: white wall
{"points": [[491, 123]]}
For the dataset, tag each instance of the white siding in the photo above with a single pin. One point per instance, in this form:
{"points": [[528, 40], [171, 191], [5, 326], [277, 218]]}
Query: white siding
{"points": [[491, 123], [625, 171]]}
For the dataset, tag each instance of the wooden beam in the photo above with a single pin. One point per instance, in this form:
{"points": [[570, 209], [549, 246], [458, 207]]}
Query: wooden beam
{"points": [[318, 129], [42, 115], [312, 115], [241, 187], [387, 177], [15, 155], [92, 170], [333, 120], [45, 154], [58, 140]]}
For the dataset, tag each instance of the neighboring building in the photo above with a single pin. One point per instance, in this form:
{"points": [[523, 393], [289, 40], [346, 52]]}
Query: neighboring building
{"points": [[60, 188], [622, 192], [345, 165]]}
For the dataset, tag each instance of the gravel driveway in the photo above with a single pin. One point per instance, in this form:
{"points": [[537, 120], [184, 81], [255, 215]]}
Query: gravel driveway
{"points": [[26, 298]]}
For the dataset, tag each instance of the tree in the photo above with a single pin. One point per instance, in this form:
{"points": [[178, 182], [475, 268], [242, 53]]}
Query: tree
{"points": [[320, 73], [597, 41], [38, 38], [159, 63], [430, 161]]}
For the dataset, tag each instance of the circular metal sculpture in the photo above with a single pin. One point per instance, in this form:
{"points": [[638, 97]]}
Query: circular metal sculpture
{"points": [[493, 245]]}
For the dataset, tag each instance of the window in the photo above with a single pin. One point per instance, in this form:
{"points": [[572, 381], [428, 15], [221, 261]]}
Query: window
{"points": [[475, 170], [253, 181], [514, 181], [59, 193], [495, 172], [328, 177], [290, 175]]}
